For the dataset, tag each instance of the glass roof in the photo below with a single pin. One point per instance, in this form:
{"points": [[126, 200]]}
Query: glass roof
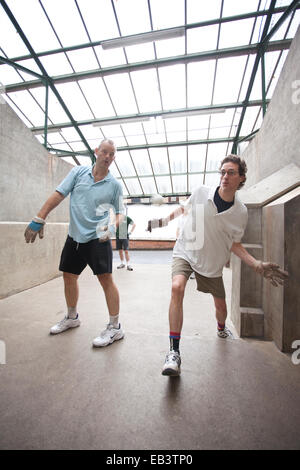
{"points": [[175, 106]]}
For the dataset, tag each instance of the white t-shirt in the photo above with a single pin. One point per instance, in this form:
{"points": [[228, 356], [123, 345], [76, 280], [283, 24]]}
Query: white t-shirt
{"points": [[206, 236]]}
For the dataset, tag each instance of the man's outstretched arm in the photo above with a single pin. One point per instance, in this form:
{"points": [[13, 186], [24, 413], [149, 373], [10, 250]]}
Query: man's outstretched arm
{"points": [[36, 226], [270, 271]]}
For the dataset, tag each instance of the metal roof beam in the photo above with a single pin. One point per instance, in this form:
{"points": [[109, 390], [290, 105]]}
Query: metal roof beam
{"points": [[166, 113], [45, 75], [199, 24], [165, 62]]}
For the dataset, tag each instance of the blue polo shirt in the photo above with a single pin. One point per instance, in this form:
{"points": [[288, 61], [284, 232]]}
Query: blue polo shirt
{"points": [[90, 202]]}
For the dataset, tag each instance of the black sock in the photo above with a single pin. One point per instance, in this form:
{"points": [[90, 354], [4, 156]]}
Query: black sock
{"points": [[174, 341]]}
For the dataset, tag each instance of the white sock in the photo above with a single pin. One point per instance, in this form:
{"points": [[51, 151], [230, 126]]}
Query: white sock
{"points": [[114, 320], [72, 312]]}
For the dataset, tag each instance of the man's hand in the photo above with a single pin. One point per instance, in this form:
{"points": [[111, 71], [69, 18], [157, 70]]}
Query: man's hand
{"points": [[272, 272], [35, 227], [106, 233], [156, 223]]}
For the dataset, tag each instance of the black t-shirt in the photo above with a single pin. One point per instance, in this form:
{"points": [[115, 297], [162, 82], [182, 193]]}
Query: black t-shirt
{"points": [[220, 203]]}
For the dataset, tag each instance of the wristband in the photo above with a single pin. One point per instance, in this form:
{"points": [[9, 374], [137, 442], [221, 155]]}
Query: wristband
{"points": [[39, 220], [35, 226]]}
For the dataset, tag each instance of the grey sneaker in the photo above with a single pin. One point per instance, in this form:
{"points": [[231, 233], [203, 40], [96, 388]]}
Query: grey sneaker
{"points": [[172, 364], [108, 336], [122, 265], [64, 325], [226, 333]]}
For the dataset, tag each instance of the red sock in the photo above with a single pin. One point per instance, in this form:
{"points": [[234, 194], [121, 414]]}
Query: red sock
{"points": [[221, 326]]}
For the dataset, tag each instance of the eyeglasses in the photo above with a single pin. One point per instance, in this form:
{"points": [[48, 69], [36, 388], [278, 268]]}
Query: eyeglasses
{"points": [[229, 172]]}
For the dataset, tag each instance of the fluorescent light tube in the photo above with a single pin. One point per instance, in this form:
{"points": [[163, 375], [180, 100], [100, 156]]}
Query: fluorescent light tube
{"points": [[116, 121], [143, 38], [193, 113], [49, 131]]}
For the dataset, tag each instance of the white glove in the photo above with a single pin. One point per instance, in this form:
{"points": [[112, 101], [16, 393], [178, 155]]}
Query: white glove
{"points": [[157, 223], [107, 232], [35, 227], [272, 272]]}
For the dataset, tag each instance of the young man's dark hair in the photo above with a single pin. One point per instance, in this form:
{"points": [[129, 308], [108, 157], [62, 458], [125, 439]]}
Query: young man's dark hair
{"points": [[241, 163]]}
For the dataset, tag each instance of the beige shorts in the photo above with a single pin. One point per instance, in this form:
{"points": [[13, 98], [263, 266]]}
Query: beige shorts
{"points": [[212, 285]]}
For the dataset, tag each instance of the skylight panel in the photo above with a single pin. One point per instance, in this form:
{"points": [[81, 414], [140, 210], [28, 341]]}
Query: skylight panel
{"points": [[74, 100], [228, 80], [167, 14], [66, 21], [196, 158], [172, 81], [249, 121], [199, 83], [220, 124], [194, 182], [202, 39], [234, 7], [99, 19], [146, 90], [8, 75], [134, 133], [178, 159], [121, 93], [55, 111], [83, 59], [133, 185], [215, 154], [124, 163], [170, 47], [35, 24], [29, 107], [179, 183], [164, 184], [56, 64], [198, 127], [141, 161], [148, 185], [237, 33], [134, 21], [159, 159], [140, 52], [9, 38], [110, 57], [97, 96], [199, 11]]}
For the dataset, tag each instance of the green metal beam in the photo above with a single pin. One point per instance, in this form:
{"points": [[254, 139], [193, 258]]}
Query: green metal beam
{"points": [[84, 153], [262, 48], [164, 62], [200, 24], [45, 75], [20, 67], [154, 114]]}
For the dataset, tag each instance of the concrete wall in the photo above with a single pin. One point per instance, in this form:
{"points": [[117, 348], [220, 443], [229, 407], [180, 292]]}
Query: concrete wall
{"points": [[278, 142], [28, 175], [272, 197]]}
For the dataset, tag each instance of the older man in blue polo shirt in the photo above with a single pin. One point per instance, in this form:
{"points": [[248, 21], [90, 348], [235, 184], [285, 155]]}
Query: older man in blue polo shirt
{"points": [[94, 194]]}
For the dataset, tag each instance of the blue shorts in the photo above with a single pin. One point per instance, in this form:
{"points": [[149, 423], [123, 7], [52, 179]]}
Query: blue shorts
{"points": [[76, 256]]}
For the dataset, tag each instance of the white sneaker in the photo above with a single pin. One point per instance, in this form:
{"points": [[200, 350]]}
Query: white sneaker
{"points": [[129, 268], [226, 333], [108, 336], [122, 265], [64, 325], [172, 364]]}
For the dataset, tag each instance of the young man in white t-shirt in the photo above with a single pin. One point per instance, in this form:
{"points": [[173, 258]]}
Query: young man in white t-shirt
{"points": [[214, 223]]}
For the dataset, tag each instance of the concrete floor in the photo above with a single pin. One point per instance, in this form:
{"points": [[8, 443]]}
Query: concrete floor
{"points": [[57, 392]]}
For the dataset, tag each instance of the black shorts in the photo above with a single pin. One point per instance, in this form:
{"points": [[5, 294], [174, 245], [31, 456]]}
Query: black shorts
{"points": [[75, 257], [122, 244]]}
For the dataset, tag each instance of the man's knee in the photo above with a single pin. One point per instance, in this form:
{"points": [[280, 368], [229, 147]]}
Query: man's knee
{"points": [[69, 277], [178, 287]]}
